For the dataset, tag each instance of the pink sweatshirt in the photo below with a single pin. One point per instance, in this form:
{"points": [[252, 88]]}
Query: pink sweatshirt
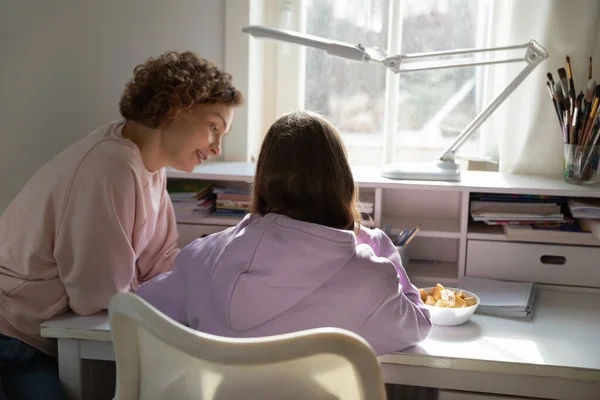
{"points": [[92, 222], [272, 274]]}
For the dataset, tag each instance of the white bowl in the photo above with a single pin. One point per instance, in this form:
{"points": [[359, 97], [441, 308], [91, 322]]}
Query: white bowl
{"points": [[451, 316]]}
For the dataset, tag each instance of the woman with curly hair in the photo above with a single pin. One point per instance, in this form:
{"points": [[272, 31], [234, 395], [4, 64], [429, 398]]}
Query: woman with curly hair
{"points": [[97, 219]]}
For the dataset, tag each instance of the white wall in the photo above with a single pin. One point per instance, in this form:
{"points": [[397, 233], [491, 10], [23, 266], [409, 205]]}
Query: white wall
{"points": [[64, 63]]}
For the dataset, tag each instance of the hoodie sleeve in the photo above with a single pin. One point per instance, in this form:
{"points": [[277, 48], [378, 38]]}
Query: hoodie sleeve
{"points": [[168, 293], [396, 323], [93, 247], [400, 320], [383, 247]]}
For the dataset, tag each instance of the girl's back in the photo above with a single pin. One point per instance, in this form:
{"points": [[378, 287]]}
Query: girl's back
{"points": [[301, 260], [272, 274]]}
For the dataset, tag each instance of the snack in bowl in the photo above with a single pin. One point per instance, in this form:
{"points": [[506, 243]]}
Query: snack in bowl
{"points": [[449, 306]]}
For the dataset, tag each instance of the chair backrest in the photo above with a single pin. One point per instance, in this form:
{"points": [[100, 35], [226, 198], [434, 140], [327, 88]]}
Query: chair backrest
{"points": [[157, 358]]}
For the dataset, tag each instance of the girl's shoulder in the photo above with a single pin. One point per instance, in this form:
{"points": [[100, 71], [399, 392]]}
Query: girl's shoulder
{"points": [[369, 235]]}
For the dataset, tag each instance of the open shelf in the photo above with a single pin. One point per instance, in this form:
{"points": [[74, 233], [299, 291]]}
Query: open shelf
{"points": [[425, 274], [483, 231], [447, 228]]}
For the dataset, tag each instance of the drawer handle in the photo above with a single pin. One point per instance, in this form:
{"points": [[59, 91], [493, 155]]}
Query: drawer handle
{"points": [[553, 260]]}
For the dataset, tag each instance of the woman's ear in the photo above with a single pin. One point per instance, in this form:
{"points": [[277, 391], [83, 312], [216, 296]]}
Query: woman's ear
{"points": [[174, 114]]}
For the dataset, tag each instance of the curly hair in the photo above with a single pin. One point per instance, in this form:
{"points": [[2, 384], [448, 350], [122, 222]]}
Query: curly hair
{"points": [[164, 86]]}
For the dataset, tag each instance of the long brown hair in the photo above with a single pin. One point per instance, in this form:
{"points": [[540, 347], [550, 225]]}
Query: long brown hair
{"points": [[303, 173]]}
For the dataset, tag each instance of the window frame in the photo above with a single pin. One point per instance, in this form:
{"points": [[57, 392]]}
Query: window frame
{"points": [[288, 69], [272, 74]]}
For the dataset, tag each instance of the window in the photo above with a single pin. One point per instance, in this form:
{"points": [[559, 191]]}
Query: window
{"points": [[431, 107]]}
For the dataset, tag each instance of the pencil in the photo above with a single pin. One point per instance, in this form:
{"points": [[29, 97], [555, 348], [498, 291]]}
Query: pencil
{"points": [[412, 236]]}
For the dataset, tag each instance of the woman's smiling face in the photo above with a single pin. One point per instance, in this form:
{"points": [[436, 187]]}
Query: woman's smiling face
{"points": [[195, 134]]}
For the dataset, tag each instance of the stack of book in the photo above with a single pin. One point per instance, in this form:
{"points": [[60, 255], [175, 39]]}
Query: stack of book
{"points": [[531, 218], [577, 232], [587, 212], [501, 298], [503, 209], [586, 208], [231, 202], [192, 200]]}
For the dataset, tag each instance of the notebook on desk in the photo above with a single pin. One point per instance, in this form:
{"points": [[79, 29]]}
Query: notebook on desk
{"points": [[501, 298]]}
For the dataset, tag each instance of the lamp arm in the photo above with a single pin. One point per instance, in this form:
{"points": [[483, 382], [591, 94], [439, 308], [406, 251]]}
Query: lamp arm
{"points": [[398, 62], [394, 62], [534, 56], [333, 47]]}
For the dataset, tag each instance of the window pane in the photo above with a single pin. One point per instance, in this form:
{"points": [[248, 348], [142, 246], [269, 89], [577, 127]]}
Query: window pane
{"points": [[350, 94], [434, 106]]}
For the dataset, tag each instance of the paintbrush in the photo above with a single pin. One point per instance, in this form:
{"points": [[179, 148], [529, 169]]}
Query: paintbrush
{"points": [[565, 131], [564, 82], [554, 102], [570, 78], [564, 85], [559, 99], [558, 94], [594, 141], [552, 89], [550, 79], [590, 119], [589, 92], [575, 122]]}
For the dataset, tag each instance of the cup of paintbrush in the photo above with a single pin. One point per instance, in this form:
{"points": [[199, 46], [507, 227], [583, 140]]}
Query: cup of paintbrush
{"points": [[402, 243], [581, 158], [580, 154], [580, 164]]}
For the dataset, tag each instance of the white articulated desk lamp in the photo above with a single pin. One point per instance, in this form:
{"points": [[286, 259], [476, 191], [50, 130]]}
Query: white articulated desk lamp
{"points": [[445, 168]]}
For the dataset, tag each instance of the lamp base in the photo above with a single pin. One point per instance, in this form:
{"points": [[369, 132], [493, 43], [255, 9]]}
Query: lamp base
{"points": [[447, 171]]}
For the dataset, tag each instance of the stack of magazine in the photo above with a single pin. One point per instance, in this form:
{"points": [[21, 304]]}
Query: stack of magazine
{"points": [[585, 208], [500, 209], [501, 298]]}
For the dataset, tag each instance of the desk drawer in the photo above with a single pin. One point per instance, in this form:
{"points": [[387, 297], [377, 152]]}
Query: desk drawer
{"points": [[543, 263], [456, 395]]}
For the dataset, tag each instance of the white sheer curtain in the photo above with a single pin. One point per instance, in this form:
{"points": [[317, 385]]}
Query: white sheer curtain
{"points": [[523, 134]]}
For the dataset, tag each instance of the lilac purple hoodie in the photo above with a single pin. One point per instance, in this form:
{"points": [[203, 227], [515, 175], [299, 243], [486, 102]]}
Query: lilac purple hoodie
{"points": [[272, 274]]}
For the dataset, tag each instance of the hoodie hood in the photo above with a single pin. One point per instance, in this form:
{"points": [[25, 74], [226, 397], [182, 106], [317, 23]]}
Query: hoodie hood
{"points": [[262, 274]]}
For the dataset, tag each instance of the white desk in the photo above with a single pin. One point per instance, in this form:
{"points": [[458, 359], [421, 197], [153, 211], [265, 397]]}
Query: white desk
{"points": [[556, 355], [79, 338]]}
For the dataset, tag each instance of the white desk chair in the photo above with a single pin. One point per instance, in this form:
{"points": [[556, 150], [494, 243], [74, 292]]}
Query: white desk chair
{"points": [[158, 358]]}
